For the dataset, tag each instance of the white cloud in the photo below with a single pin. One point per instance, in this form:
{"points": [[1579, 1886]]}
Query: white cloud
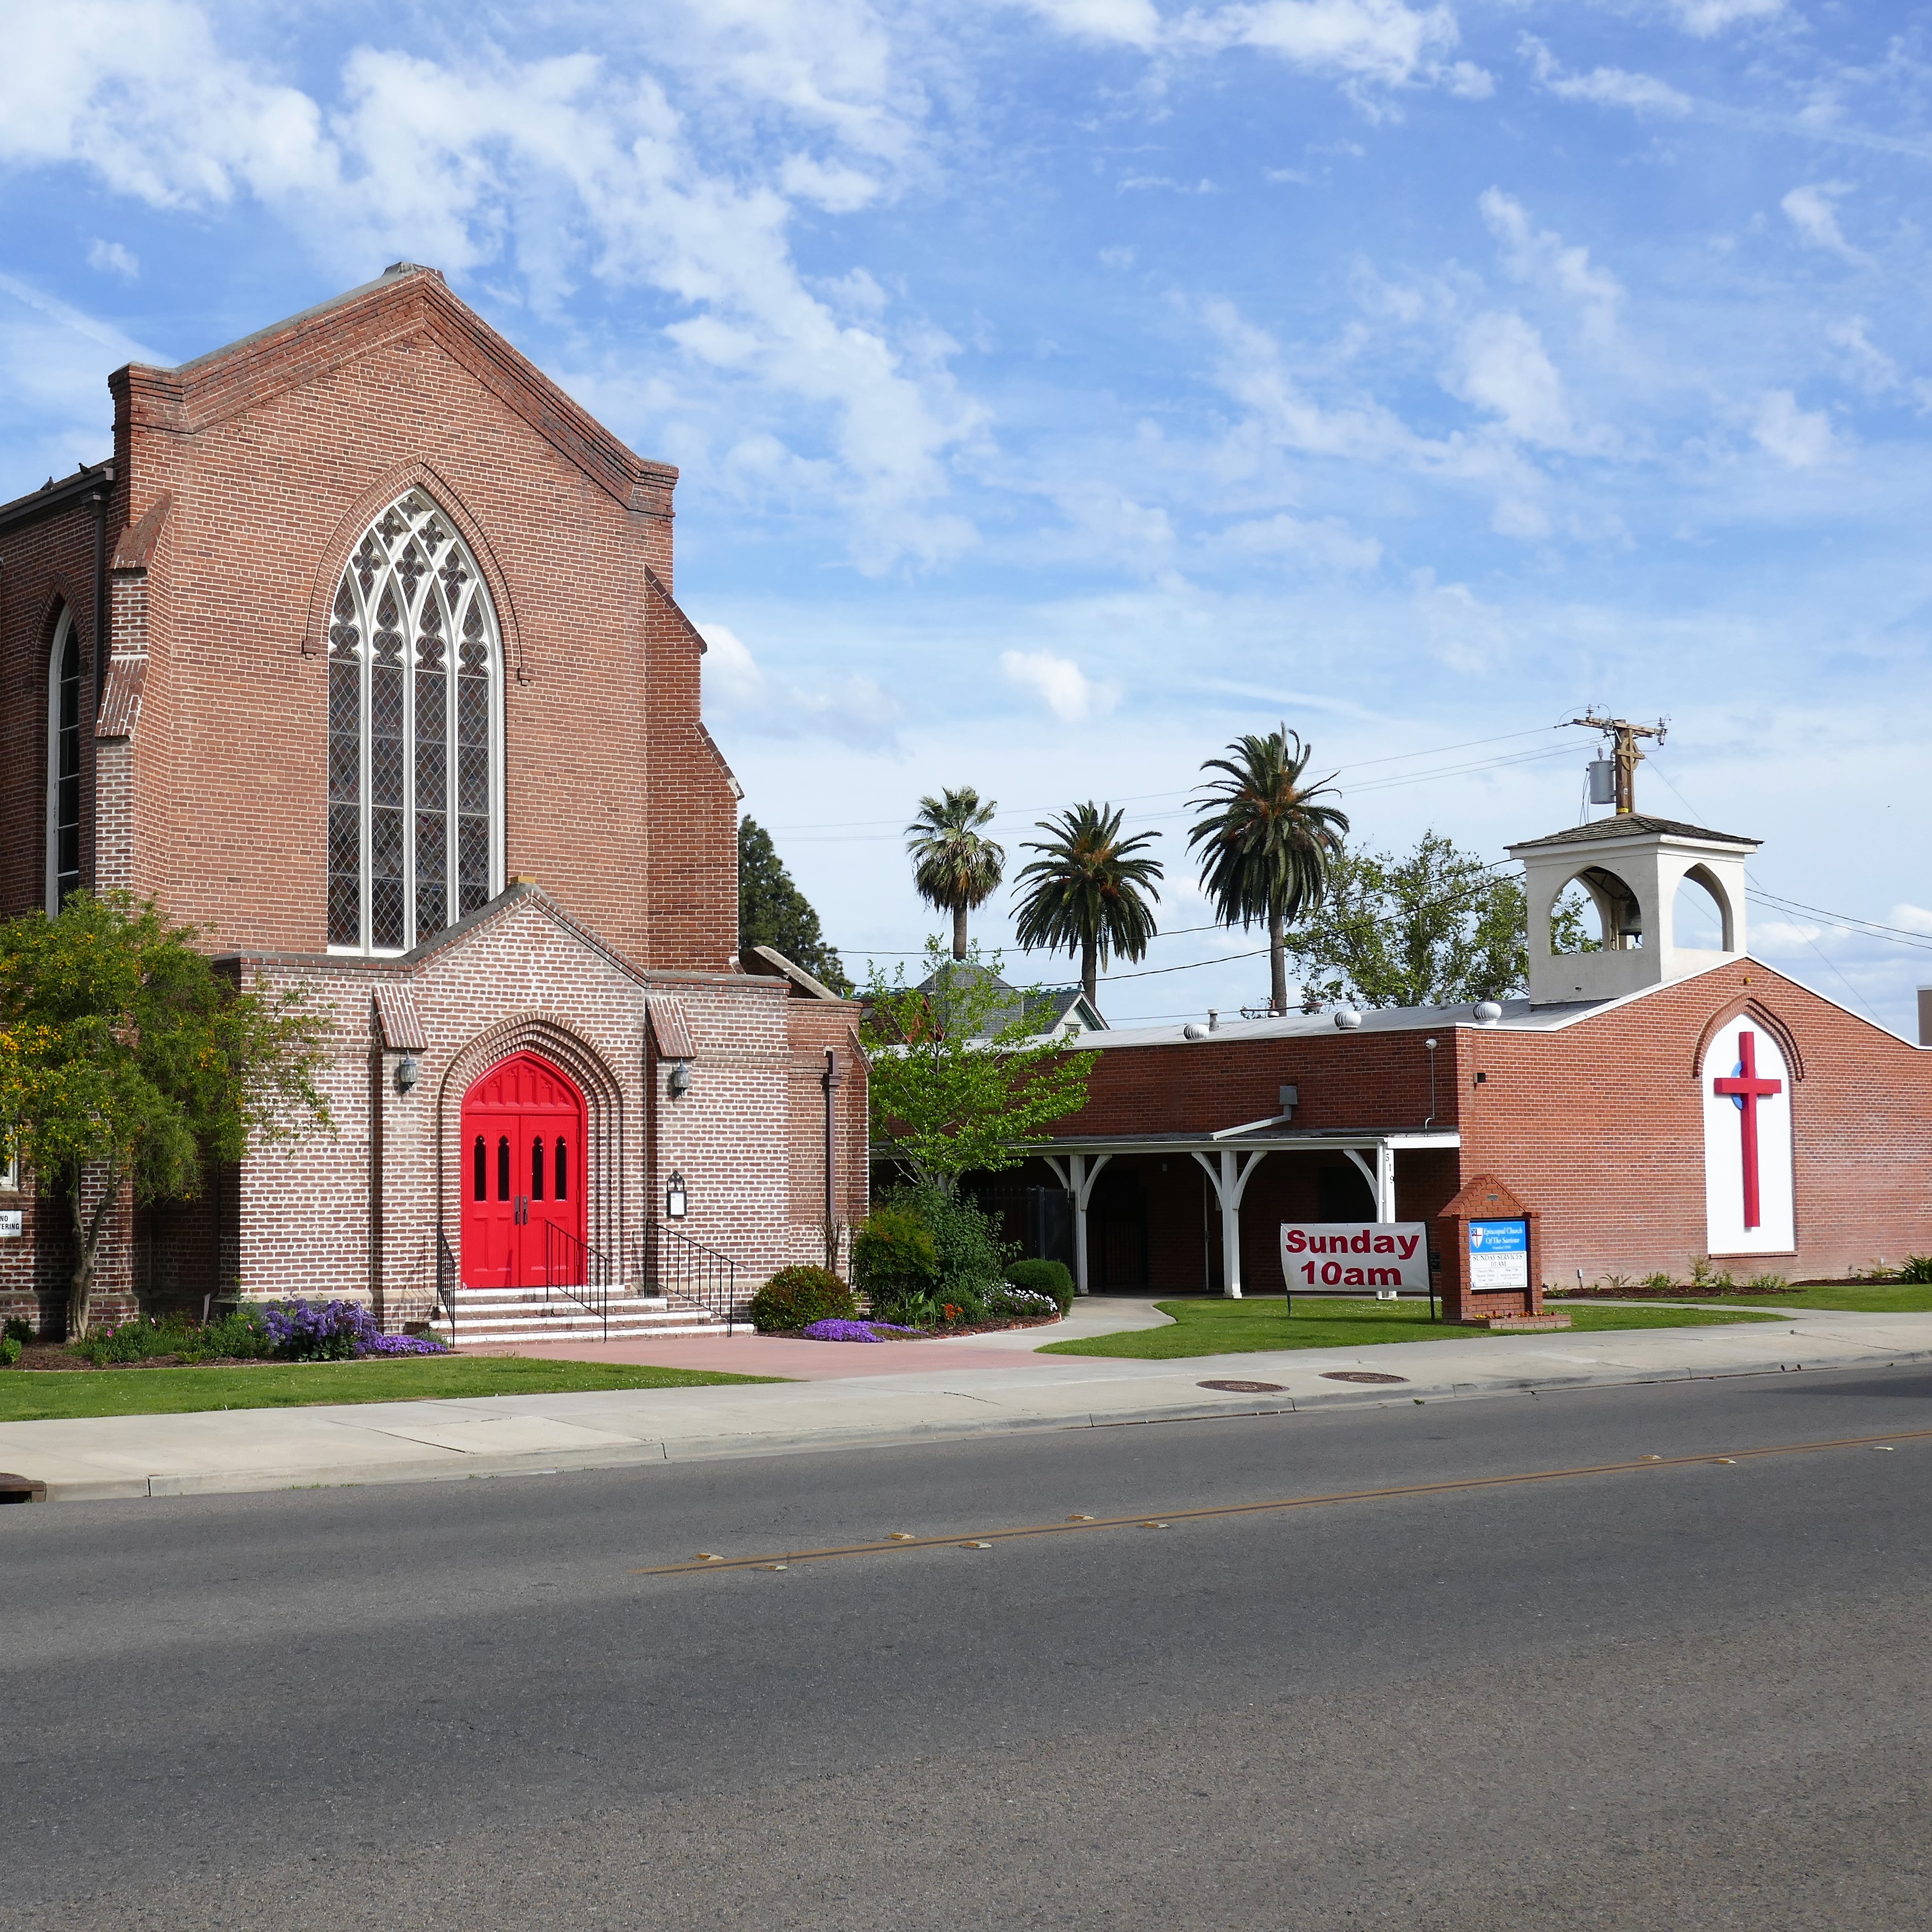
{"points": [[1069, 694], [836, 188], [1540, 257], [1607, 86], [1812, 210], [1328, 542], [854, 711], [549, 169], [1868, 365], [1384, 43], [110, 258], [1798, 438], [1911, 918], [1501, 366], [1117, 258], [1466, 634], [1134, 23], [1706, 17]]}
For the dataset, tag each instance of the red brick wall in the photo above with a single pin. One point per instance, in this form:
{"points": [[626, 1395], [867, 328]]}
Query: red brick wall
{"points": [[1599, 1126]]}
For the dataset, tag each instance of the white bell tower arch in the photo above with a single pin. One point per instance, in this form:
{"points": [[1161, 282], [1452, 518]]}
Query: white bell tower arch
{"points": [[1631, 867]]}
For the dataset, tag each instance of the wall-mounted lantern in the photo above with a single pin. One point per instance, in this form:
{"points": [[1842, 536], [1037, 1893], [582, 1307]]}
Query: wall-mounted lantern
{"points": [[674, 1198], [408, 1072], [678, 1084]]}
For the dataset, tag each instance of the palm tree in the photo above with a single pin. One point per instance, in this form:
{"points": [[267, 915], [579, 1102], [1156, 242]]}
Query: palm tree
{"points": [[1087, 891], [955, 868], [1265, 842]]}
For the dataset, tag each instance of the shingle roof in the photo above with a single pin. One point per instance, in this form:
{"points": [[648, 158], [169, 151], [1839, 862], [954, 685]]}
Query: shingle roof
{"points": [[1633, 825]]}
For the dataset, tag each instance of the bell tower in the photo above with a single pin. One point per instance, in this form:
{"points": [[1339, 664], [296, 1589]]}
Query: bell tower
{"points": [[1632, 868]]}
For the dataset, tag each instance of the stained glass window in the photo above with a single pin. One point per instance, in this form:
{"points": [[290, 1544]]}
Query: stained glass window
{"points": [[63, 765], [415, 735]]}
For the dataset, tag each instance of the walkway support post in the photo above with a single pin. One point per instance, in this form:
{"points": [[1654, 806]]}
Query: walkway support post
{"points": [[1077, 1177]]}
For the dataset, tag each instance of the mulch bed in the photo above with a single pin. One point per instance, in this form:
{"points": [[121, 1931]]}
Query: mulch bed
{"points": [[981, 1327], [45, 1355]]}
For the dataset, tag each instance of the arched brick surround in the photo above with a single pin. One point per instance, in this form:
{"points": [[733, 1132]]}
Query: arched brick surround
{"points": [[552, 1037]]}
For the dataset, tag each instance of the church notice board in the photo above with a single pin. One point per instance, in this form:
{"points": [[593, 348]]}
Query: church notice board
{"points": [[1489, 1241], [1499, 1254]]}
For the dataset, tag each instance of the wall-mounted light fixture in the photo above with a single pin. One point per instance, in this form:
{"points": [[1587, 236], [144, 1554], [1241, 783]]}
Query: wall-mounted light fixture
{"points": [[408, 1072], [674, 1198], [678, 1084]]}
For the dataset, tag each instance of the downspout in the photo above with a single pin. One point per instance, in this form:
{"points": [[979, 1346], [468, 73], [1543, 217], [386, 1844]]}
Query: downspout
{"points": [[832, 1080], [99, 500]]}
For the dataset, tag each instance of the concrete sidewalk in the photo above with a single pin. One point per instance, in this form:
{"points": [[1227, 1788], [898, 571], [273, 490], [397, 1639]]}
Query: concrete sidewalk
{"points": [[944, 1389]]}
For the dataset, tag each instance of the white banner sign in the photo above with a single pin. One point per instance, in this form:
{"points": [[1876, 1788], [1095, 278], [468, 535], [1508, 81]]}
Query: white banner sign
{"points": [[1354, 1254]]}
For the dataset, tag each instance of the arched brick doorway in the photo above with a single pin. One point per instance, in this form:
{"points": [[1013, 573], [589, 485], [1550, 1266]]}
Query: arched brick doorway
{"points": [[524, 1177]]}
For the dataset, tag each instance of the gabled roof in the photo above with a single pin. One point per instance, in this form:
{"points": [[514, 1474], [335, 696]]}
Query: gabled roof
{"points": [[1048, 1007], [406, 301], [1633, 825]]}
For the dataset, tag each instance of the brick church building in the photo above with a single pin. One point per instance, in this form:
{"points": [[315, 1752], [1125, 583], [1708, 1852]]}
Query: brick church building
{"points": [[1648, 1104], [362, 654]]}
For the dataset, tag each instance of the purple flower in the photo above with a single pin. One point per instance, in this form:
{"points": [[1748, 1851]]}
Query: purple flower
{"points": [[835, 1329], [324, 1331]]}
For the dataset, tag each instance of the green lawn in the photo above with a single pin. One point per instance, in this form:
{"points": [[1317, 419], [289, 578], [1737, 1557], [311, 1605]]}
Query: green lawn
{"points": [[1904, 1297], [42, 1395], [1210, 1325]]}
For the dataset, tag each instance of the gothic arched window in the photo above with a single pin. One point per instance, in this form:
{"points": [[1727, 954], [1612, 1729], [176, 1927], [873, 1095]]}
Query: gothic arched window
{"points": [[415, 735], [63, 867]]}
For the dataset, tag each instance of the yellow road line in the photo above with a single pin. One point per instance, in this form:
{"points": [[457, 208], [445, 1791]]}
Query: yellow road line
{"points": [[981, 1539]]}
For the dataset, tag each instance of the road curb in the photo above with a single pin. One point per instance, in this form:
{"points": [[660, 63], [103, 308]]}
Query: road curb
{"points": [[663, 1450]]}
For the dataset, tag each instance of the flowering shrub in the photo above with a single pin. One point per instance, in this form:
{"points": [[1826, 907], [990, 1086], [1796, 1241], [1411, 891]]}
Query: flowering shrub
{"points": [[1010, 1303], [835, 1330], [336, 1331]]}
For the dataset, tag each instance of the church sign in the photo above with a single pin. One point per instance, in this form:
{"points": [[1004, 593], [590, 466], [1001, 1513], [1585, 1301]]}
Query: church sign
{"points": [[1498, 1254], [1364, 1255]]}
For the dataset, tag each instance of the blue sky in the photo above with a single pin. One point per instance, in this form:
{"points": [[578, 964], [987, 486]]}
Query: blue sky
{"points": [[1062, 387]]}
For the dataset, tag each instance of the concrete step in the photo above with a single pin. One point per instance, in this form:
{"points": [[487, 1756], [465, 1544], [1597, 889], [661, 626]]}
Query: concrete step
{"points": [[523, 1314]]}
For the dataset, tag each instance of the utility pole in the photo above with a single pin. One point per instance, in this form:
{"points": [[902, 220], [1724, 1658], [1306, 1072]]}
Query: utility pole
{"points": [[1624, 756]]}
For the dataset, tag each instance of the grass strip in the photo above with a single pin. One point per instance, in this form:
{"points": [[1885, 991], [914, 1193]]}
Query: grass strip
{"points": [[1214, 1326], [51, 1395], [1905, 1297]]}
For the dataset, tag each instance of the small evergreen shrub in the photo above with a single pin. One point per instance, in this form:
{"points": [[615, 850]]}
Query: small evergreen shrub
{"points": [[1050, 1278], [10, 1351], [19, 1329], [795, 1297]]}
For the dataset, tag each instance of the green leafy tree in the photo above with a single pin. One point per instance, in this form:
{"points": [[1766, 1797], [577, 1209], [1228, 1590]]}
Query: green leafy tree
{"points": [[1266, 841], [126, 1061], [1089, 891], [954, 865], [960, 1082], [1432, 928], [771, 911]]}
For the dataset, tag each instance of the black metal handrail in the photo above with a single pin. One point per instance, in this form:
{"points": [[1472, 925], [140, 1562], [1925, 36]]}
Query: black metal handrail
{"points": [[670, 1262], [445, 1281], [575, 1268]]}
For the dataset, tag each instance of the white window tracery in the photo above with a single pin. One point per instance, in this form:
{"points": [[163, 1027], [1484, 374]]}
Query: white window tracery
{"points": [[415, 735]]}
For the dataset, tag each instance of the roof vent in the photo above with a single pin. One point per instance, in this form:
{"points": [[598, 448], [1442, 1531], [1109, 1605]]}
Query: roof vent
{"points": [[1194, 1029], [1347, 1019], [1487, 1012]]}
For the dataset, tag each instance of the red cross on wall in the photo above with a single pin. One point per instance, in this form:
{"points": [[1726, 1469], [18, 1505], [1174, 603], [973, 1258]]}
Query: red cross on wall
{"points": [[1746, 1088]]}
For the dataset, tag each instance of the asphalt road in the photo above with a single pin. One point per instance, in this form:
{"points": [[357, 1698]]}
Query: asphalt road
{"points": [[1675, 1696]]}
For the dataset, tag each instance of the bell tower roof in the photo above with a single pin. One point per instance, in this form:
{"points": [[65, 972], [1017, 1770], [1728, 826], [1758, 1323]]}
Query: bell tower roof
{"points": [[1632, 868]]}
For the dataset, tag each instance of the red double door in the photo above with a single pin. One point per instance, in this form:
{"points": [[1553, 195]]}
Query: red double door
{"points": [[523, 1179]]}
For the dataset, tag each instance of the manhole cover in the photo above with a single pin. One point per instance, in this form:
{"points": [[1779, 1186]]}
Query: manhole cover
{"points": [[1359, 1376], [1244, 1388]]}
